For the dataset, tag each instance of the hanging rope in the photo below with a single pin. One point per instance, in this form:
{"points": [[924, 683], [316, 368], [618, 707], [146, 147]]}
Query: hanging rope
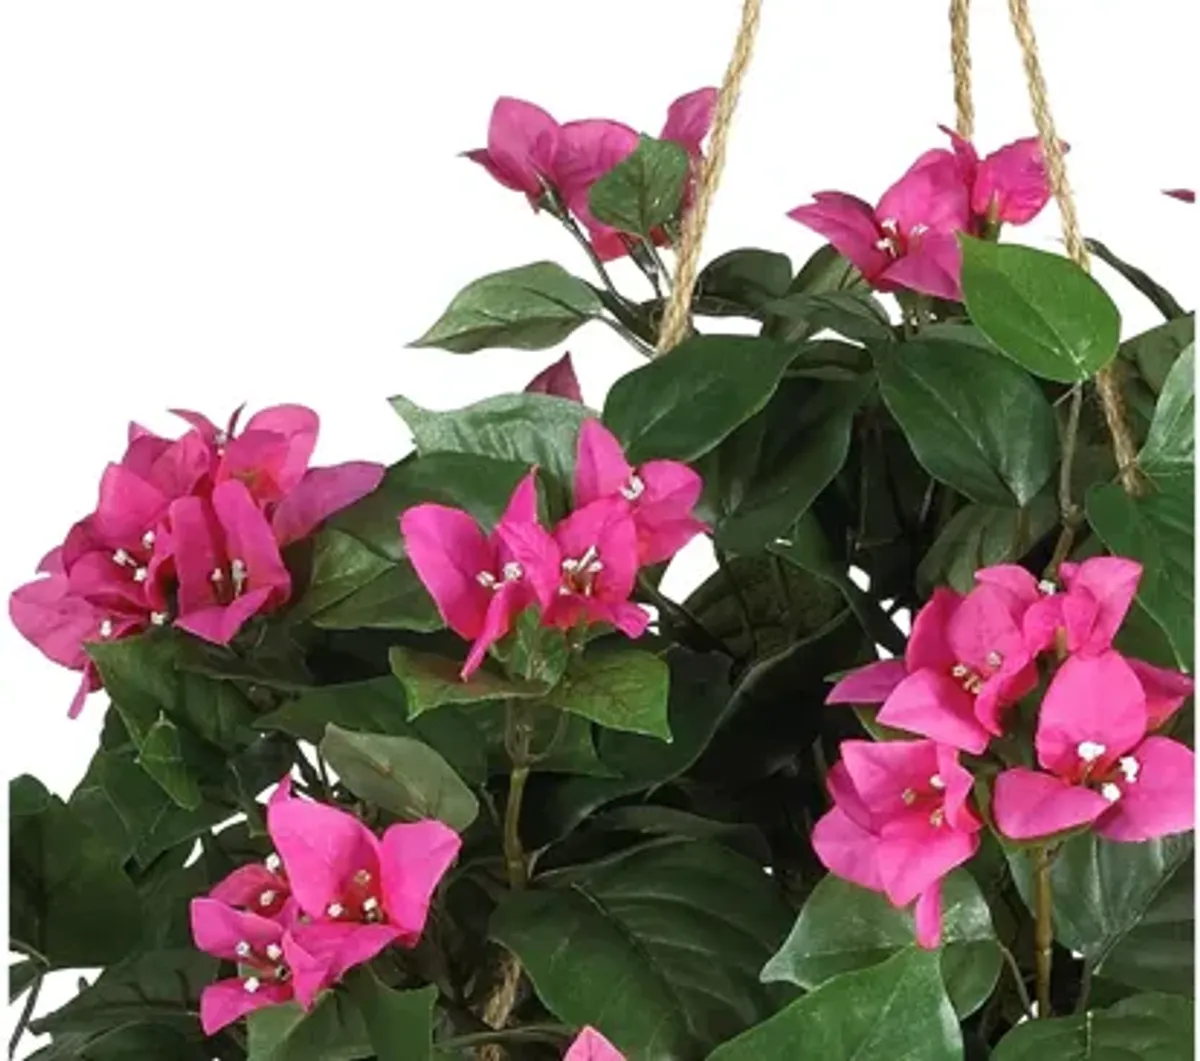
{"points": [[960, 61], [676, 319], [1056, 170]]}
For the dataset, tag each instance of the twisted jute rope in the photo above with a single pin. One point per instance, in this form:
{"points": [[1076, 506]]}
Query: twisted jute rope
{"points": [[677, 317], [960, 61], [1107, 384]]}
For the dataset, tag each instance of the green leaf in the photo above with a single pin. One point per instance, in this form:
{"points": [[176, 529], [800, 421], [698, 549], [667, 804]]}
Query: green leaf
{"points": [[828, 270], [1158, 531], [21, 976], [434, 681], [660, 949], [856, 315], [399, 1023], [341, 564], [682, 404], [162, 986], [1163, 300], [530, 429], [130, 1042], [574, 751], [395, 600], [161, 756], [1159, 952], [843, 928], [1155, 351], [401, 775], [70, 904], [742, 280], [1102, 893], [619, 689], [379, 706], [975, 421], [980, 536], [332, 1031], [889, 1012], [805, 445], [531, 308], [1040, 309], [644, 191], [1170, 449], [1143, 1028]]}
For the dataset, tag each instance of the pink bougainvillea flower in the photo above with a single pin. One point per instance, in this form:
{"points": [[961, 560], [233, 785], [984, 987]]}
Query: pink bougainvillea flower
{"points": [[689, 119], [361, 893], [661, 494], [478, 582], [587, 150], [259, 887], [908, 239], [1184, 195], [264, 951], [319, 494], [522, 147], [966, 660], [900, 822], [590, 1045], [1097, 597], [1009, 185], [558, 379], [1100, 767], [227, 561]]}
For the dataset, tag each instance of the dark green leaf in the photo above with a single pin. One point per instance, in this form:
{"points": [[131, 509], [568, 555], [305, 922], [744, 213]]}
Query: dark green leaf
{"points": [[573, 752], [1170, 449], [1163, 301], [619, 689], [161, 756], [399, 1023], [395, 600], [434, 681], [844, 927], [743, 280], [889, 1012], [1041, 310], [642, 192], [532, 429], [682, 404], [332, 1031], [70, 903], [531, 308], [21, 976], [401, 775], [827, 270], [856, 315], [341, 564], [1159, 952], [805, 445], [1155, 351], [660, 948], [975, 421], [1142, 1028]]}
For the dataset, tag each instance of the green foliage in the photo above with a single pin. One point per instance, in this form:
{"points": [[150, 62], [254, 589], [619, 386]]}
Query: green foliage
{"points": [[644, 191]]}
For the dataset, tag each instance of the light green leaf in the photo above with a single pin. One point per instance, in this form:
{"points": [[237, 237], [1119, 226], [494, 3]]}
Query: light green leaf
{"points": [[434, 681], [332, 1031], [1170, 449], [161, 756], [619, 689], [642, 192]]}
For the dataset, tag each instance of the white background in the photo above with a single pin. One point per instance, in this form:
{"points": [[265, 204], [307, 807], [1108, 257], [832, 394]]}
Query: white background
{"points": [[204, 204]]}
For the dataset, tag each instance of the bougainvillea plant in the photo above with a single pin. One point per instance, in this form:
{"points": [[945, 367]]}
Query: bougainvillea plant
{"points": [[422, 762]]}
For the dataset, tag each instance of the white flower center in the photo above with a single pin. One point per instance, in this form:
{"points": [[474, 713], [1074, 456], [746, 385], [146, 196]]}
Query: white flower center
{"points": [[937, 818], [1110, 791], [251, 984], [486, 579], [273, 863], [242, 950], [238, 572], [267, 897], [122, 558], [335, 910], [106, 628], [994, 659], [633, 489], [909, 797], [158, 618], [1130, 767], [1089, 750], [937, 782], [512, 571], [274, 952], [140, 574], [148, 539], [1047, 588]]}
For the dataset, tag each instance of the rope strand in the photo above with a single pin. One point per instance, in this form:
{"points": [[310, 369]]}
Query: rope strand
{"points": [[960, 62], [676, 319], [1107, 386]]}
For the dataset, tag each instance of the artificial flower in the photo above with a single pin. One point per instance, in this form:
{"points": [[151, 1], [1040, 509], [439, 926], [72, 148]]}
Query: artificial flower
{"points": [[558, 379], [522, 148], [590, 1045]]}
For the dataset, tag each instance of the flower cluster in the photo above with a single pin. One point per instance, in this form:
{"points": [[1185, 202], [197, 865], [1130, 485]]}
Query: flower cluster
{"points": [[529, 152], [582, 571], [186, 531], [902, 819], [909, 240], [333, 897]]}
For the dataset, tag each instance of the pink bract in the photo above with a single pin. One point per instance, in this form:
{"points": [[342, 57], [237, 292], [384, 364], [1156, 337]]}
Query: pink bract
{"points": [[590, 1045], [522, 148], [558, 379]]}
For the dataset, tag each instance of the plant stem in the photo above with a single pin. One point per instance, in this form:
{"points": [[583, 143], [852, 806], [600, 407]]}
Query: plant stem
{"points": [[1018, 978], [35, 989], [643, 348], [1043, 938], [1085, 987], [572, 226], [516, 741], [659, 264], [1069, 511], [554, 1034]]}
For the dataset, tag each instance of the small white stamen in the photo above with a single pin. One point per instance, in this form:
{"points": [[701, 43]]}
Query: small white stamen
{"points": [[1130, 767], [918, 230], [909, 797], [959, 671], [335, 910], [106, 628], [221, 438], [140, 574], [1089, 750], [158, 618], [569, 566], [937, 782], [1047, 588], [564, 591], [218, 576], [268, 897], [513, 571], [242, 950], [884, 244], [122, 557], [994, 659], [362, 877], [937, 818], [148, 539], [633, 489], [274, 952], [251, 984], [486, 579], [888, 224], [273, 863], [370, 904], [1110, 791], [237, 572]]}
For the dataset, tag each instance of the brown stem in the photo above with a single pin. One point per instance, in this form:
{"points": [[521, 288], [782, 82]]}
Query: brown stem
{"points": [[1070, 514], [1043, 939]]}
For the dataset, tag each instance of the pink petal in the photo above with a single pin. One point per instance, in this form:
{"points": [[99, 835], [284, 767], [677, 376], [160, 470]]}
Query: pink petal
{"points": [[929, 645], [959, 786], [226, 1001], [508, 601], [522, 503], [128, 507], [1011, 184], [219, 624], [871, 684], [321, 848], [1096, 700], [1162, 801], [180, 466], [194, 544], [1041, 622], [217, 928], [590, 1045], [311, 974], [932, 267], [1000, 692], [449, 550], [52, 562], [587, 150], [881, 771], [248, 537], [530, 546], [258, 459], [965, 153], [601, 469], [1027, 805], [931, 193], [54, 619], [207, 430], [985, 625], [847, 850], [1014, 580], [934, 705], [321, 493], [849, 224], [522, 146], [1165, 690], [662, 514], [927, 916], [414, 856], [689, 119], [910, 861], [606, 527], [110, 586], [245, 885], [627, 617], [557, 379], [299, 426], [845, 796], [1110, 581], [1184, 195], [325, 951]]}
